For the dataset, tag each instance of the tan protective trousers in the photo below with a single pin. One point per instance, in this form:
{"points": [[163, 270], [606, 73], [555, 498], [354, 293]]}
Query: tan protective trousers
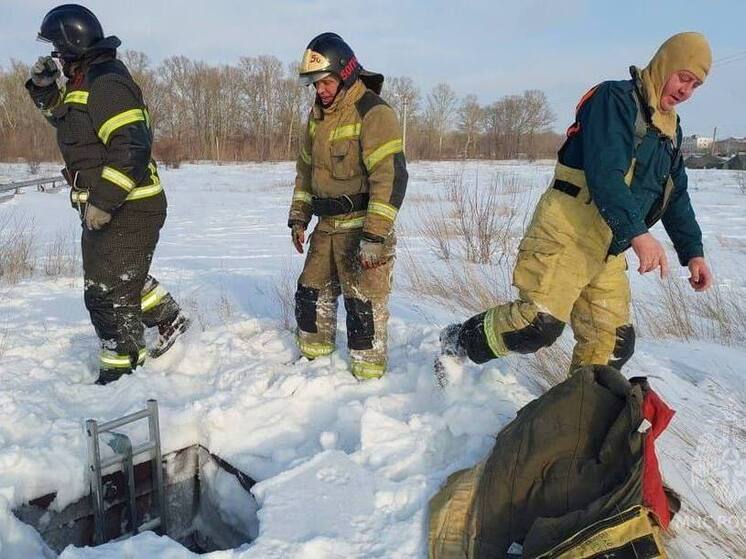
{"points": [[564, 274], [332, 268]]}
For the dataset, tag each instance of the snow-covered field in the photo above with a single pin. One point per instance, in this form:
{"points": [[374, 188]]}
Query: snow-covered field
{"points": [[345, 469]]}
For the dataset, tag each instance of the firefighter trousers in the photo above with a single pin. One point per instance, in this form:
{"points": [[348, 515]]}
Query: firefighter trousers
{"points": [[331, 269], [120, 295], [563, 274]]}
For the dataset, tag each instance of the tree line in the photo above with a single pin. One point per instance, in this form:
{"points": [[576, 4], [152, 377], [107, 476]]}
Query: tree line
{"points": [[256, 111]]}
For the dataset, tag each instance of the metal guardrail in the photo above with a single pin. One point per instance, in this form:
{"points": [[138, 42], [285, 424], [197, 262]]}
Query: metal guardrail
{"points": [[42, 184]]}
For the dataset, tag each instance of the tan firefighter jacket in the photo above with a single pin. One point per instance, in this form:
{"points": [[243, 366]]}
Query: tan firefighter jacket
{"points": [[352, 151]]}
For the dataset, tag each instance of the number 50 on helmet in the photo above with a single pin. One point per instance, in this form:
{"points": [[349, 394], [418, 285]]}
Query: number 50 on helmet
{"points": [[329, 54]]}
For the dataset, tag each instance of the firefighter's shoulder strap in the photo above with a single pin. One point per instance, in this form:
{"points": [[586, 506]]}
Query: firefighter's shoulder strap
{"points": [[643, 118], [641, 125]]}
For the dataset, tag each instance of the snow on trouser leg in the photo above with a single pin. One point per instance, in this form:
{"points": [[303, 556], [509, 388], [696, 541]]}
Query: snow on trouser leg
{"points": [[161, 310], [157, 305], [116, 260], [366, 337], [113, 365], [366, 295], [117, 320], [316, 300], [366, 370], [513, 327]]}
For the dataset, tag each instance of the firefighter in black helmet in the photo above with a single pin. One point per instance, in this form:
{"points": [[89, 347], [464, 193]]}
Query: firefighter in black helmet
{"points": [[351, 174], [329, 54], [105, 137]]}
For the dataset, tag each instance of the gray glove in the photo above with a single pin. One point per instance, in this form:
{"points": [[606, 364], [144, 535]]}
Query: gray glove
{"points": [[371, 254], [44, 72], [95, 218]]}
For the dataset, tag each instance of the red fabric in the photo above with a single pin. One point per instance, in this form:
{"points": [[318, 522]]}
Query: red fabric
{"points": [[75, 81], [657, 412]]}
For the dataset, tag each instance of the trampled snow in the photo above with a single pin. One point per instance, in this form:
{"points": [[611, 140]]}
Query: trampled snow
{"points": [[345, 469]]}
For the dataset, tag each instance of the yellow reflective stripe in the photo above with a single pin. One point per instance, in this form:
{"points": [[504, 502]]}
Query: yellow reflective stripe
{"points": [[153, 172], [494, 339], [301, 196], [117, 121], [312, 128], [314, 349], [80, 196], [363, 370], [113, 360], [380, 153], [80, 97], [118, 178], [611, 533], [146, 114], [345, 132], [145, 191], [350, 223], [152, 298], [305, 156], [126, 183], [384, 210]]}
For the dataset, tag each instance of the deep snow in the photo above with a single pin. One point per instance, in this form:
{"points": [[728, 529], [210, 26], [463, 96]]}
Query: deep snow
{"points": [[345, 468]]}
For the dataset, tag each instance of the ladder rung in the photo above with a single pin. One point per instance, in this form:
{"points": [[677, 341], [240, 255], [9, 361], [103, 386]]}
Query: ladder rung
{"points": [[117, 459], [124, 454], [114, 423]]}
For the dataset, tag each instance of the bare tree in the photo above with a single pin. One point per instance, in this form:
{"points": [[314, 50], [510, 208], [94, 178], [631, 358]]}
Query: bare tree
{"points": [[262, 77], [538, 116], [256, 110], [513, 122], [439, 114], [23, 131], [294, 104], [470, 120]]}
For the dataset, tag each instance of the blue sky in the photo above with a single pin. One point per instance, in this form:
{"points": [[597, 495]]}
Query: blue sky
{"points": [[489, 48]]}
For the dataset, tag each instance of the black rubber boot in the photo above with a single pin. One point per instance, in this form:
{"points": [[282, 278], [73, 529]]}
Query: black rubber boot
{"points": [[449, 341], [168, 334], [105, 376]]}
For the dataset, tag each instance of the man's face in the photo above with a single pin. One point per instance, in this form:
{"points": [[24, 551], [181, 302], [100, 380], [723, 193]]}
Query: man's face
{"points": [[679, 87], [327, 89]]}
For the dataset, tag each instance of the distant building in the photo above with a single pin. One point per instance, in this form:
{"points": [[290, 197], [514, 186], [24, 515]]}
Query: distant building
{"points": [[694, 143], [730, 146]]}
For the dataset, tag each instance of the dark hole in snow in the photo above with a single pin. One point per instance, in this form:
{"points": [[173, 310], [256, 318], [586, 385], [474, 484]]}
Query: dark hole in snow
{"points": [[209, 506]]}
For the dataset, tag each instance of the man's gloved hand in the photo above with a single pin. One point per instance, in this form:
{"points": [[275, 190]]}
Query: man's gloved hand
{"points": [[44, 72], [298, 235], [371, 253], [95, 218]]}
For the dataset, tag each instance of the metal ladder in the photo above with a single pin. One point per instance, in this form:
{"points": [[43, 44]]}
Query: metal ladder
{"points": [[124, 454]]}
